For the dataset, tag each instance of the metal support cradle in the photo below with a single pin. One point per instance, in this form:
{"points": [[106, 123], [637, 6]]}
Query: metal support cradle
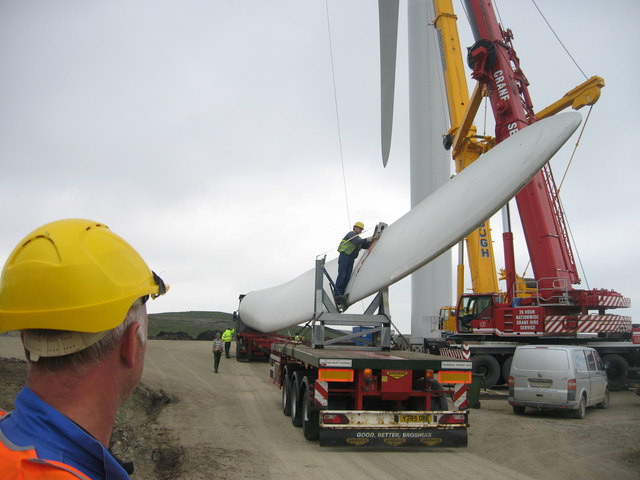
{"points": [[371, 330]]}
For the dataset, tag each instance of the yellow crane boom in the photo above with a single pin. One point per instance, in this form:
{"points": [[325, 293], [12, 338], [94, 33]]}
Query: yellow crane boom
{"points": [[467, 146]]}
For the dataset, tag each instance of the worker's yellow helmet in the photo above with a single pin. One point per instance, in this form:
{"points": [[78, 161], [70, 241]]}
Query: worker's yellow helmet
{"points": [[359, 224], [74, 275]]}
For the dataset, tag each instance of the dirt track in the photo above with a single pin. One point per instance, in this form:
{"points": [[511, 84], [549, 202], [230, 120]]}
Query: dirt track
{"points": [[230, 425]]}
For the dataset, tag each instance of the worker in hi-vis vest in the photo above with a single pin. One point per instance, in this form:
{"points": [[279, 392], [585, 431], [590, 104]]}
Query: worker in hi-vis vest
{"points": [[349, 249], [227, 336], [76, 292]]}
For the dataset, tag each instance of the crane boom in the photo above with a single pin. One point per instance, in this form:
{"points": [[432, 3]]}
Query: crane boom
{"points": [[482, 264], [547, 306], [496, 65]]}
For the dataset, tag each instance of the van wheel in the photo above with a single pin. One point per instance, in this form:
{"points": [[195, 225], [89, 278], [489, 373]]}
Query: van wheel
{"points": [[488, 367], [582, 409], [605, 402], [518, 409]]}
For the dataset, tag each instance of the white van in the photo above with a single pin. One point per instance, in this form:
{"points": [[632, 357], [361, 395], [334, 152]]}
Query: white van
{"points": [[557, 377]]}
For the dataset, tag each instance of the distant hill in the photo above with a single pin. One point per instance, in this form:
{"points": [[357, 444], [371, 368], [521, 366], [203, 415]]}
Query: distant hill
{"points": [[173, 325], [191, 323]]}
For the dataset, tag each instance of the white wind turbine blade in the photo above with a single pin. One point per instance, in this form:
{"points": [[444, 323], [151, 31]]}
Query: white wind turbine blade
{"points": [[431, 227], [388, 18]]}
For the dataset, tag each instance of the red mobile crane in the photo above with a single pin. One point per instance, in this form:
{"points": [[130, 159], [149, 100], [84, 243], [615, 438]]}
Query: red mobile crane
{"points": [[552, 309]]}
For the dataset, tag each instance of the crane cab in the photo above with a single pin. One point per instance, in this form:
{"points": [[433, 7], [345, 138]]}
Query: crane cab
{"points": [[485, 314]]}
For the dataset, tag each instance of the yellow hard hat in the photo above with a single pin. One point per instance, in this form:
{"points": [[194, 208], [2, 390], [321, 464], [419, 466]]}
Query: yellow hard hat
{"points": [[74, 275], [359, 224]]}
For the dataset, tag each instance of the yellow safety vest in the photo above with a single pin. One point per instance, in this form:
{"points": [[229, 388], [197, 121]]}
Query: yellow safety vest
{"points": [[347, 246]]}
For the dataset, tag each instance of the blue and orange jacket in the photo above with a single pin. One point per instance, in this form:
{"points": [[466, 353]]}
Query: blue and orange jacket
{"points": [[20, 463], [38, 441]]}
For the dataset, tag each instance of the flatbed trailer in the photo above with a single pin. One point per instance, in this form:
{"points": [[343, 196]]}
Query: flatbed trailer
{"points": [[345, 396]]}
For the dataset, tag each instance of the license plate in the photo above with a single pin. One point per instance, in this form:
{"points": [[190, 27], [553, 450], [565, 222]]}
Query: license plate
{"points": [[415, 418], [540, 383]]}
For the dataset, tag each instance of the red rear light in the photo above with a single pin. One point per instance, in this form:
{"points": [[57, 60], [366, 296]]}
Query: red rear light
{"points": [[511, 382], [336, 419], [571, 390], [452, 418]]}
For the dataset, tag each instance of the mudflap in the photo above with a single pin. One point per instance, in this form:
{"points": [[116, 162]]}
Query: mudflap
{"points": [[386, 438]]}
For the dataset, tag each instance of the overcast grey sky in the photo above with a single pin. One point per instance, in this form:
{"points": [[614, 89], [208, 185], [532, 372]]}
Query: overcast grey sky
{"points": [[205, 132]]}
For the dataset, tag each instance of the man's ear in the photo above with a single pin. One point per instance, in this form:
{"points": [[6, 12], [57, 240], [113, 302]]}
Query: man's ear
{"points": [[130, 344]]}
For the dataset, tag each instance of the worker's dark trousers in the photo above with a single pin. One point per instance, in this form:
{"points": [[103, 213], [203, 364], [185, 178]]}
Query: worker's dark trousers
{"points": [[227, 346], [216, 360], [345, 266]]}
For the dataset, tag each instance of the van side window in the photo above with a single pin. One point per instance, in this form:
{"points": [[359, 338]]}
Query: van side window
{"points": [[591, 361], [599, 363], [581, 361]]}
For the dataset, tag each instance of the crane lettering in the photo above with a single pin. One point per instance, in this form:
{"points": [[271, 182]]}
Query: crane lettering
{"points": [[484, 243], [501, 86]]}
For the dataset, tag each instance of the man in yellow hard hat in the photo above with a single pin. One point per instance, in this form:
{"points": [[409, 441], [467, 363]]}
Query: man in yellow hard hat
{"points": [[349, 249], [76, 292]]}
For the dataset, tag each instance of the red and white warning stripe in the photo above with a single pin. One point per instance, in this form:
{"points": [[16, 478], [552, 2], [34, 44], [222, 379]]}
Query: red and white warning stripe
{"points": [[614, 301], [321, 395], [463, 353], [460, 391], [588, 324]]}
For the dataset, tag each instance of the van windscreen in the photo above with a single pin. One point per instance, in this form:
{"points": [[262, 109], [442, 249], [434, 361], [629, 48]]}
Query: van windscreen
{"points": [[544, 359]]}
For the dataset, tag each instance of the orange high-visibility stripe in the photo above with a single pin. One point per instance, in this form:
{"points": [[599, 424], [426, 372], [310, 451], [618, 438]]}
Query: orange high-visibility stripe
{"points": [[16, 463]]}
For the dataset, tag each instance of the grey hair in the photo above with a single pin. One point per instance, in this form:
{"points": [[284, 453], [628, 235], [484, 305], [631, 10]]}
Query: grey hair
{"points": [[99, 350]]}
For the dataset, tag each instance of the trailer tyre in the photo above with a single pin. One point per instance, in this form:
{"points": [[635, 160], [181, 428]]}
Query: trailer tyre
{"points": [[296, 413], [287, 372], [488, 367], [616, 371], [310, 416], [286, 396]]}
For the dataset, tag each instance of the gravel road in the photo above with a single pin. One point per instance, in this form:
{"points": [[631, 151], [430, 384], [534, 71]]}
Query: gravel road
{"points": [[230, 425]]}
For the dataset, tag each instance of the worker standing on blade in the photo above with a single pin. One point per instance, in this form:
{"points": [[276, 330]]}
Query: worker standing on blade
{"points": [[217, 347], [349, 249], [227, 336], [77, 293]]}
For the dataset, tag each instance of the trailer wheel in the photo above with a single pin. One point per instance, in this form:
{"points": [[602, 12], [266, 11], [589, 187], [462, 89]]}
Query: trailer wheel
{"points": [[286, 396], [310, 416], [617, 368], [296, 414], [488, 367]]}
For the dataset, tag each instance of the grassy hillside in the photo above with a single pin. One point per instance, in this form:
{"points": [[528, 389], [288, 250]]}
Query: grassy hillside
{"points": [[192, 323]]}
